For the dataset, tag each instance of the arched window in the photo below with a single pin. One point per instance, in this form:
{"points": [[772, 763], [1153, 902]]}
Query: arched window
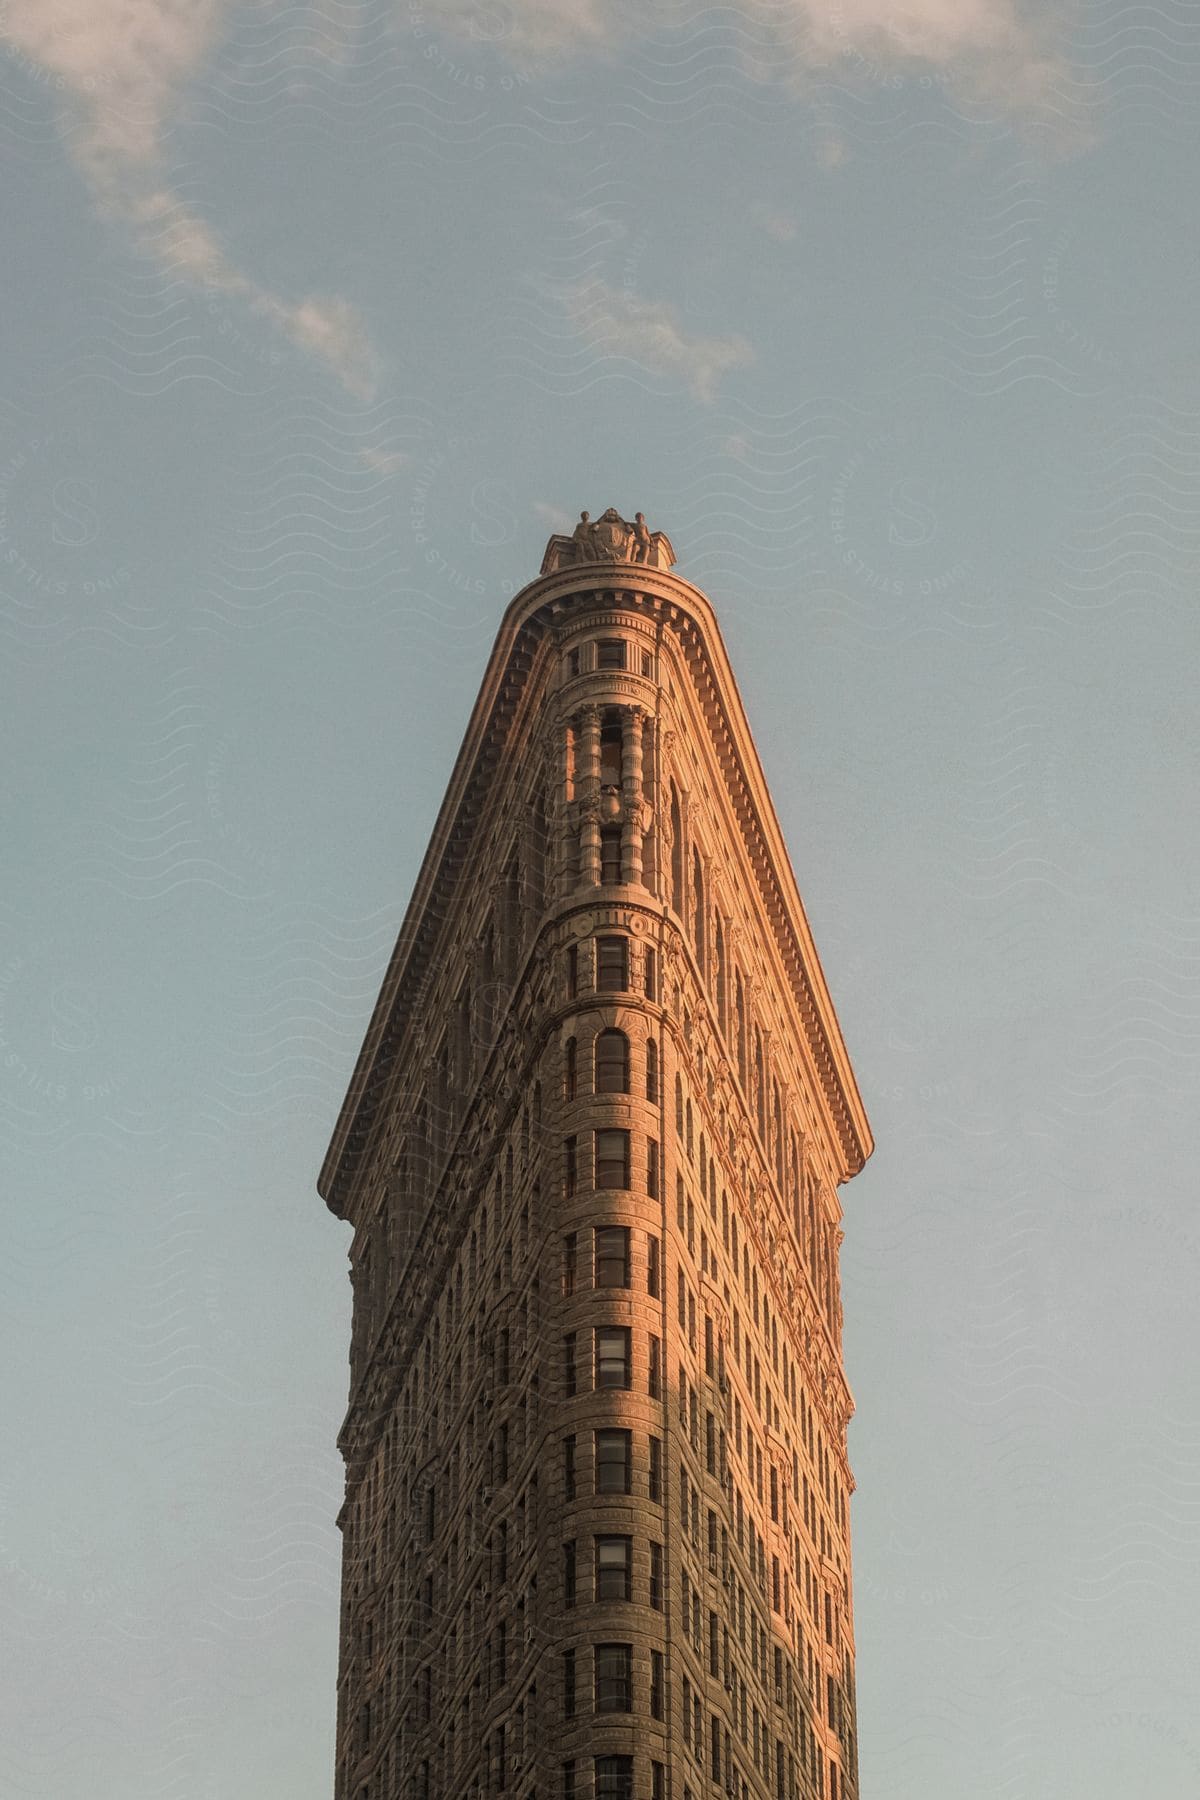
{"points": [[610, 856], [698, 908], [676, 852], [651, 1070], [539, 840], [612, 1063], [650, 872], [569, 1070], [510, 920], [760, 1094], [422, 1159], [441, 1098], [610, 753], [486, 989], [795, 1193], [462, 1039]]}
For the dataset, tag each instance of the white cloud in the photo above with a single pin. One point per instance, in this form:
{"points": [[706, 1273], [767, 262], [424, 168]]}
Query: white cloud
{"points": [[648, 332], [1000, 47], [122, 66]]}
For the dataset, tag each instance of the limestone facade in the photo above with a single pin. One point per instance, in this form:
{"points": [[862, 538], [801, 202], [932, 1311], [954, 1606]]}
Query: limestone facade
{"points": [[596, 1526]]}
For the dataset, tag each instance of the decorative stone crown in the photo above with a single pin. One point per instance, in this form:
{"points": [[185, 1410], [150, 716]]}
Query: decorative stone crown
{"points": [[609, 539]]}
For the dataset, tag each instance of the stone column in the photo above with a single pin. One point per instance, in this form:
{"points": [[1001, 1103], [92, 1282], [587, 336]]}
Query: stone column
{"points": [[631, 793], [587, 786]]}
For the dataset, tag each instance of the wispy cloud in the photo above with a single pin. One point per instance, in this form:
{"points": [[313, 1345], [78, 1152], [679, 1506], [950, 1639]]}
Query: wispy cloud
{"points": [[553, 516], [384, 462], [649, 333], [1002, 47], [122, 67], [778, 225]]}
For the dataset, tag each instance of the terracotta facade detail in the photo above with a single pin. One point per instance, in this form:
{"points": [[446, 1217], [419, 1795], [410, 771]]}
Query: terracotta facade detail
{"points": [[596, 1526]]}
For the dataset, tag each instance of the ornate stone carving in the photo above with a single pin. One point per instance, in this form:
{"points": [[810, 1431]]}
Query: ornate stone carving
{"points": [[609, 539]]}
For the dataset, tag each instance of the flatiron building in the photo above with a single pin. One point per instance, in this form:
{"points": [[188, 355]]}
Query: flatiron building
{"points": [[597, 1519]]}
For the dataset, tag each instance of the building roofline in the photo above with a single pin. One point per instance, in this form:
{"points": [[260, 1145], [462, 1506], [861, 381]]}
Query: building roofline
{"points": [[509, 665]]}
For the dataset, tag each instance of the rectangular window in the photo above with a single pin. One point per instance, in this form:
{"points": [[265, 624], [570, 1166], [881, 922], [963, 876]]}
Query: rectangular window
{"points": [[612, 1256], [655, 1477], [612, 1159], [658, 1771], [656, 1684], [568, 1684], [569, 1574], [653, 1268], [568, 1781], [715, 1740], [568, 1366], [614, 1568], [613, 1462], [610, 857], [614, 1778], [572, 662], [569, 1468], [650, 969], [614, 1677], [656, 1577], [610, 653], [648, 670], [710, 1363], [572, 971], [568, 1279], [652, 1168], [654, 1379], [614, 1358], [570, 1167], [612, 963]]}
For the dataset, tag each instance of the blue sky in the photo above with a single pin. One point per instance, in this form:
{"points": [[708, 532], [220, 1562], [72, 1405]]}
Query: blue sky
{"points": [[317, 321]]}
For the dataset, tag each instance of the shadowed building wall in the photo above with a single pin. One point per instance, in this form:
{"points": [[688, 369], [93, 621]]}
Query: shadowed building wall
{"points": [[596, 1528]]}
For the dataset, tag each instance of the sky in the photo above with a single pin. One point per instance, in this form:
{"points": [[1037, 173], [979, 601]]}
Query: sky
{"points": [[318, 321]]}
